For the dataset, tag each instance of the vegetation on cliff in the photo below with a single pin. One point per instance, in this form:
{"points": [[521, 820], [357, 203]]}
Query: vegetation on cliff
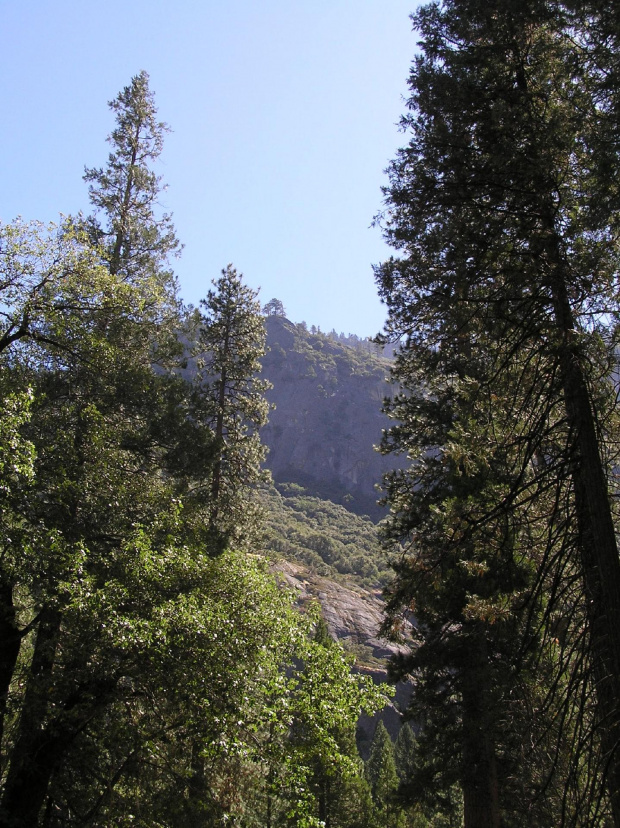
{"points": [[163, 661]]}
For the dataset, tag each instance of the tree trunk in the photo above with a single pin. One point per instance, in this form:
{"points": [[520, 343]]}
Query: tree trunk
{"points": [[324, 801], [479, 777], [10, 643], [121, 238], [44, 739], [598, 547], [32, 756], [219, 435], [24, 799]]}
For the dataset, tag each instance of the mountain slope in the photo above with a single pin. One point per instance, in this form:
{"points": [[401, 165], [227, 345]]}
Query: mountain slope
{"points": [[327, 416]]}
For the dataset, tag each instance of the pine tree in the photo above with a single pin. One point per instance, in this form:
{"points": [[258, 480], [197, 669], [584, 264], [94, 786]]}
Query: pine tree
{"points": [[274, 308], [103, 424], [506, 229], [135, 242], [383, 778], [231, 340], [405, 753]]}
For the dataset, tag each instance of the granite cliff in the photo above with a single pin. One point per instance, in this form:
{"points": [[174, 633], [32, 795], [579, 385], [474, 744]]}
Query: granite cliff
{"points": [[327, 416]]}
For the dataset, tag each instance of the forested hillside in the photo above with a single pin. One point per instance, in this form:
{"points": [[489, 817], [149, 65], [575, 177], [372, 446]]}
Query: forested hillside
{"points": [[326, 537]]}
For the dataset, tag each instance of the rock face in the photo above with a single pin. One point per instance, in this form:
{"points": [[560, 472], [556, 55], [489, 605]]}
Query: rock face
{"points": [[321, 435], [353, 616], [327, 417]]}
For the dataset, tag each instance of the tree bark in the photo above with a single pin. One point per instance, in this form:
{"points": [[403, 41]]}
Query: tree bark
{"points": [[324, 801], [121, 238], [598, 547], [10, 643], [479, 776], [44, 739], [219, 436], [30, 768]]}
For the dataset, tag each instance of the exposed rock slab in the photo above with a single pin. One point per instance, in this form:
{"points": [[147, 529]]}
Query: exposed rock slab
{"points": [[352, 614], [327, 417]]}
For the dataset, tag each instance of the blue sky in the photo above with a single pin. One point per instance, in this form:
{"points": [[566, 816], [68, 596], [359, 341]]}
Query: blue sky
{"points": [[283, 114]]}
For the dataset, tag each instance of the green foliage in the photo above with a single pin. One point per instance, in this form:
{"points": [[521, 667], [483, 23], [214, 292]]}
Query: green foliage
{"points": [[405, 753], [135, 243], [501, 521], [323, 774], [381, 773], [94, 482], [327, 538], [188, 729], [274, 308], [231, 341], [151, 671], [333, 362], [100, 515]]}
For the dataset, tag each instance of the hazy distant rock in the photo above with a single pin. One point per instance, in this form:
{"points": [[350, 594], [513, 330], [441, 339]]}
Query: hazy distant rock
{"points": [[328, 418]]}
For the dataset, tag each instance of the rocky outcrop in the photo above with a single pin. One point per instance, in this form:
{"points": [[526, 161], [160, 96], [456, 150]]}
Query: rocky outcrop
{"points": [[321, 435], [353, 616], [327, 416]]}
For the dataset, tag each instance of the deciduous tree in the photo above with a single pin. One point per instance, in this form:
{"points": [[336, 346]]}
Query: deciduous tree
{"points": [[106, 432]]}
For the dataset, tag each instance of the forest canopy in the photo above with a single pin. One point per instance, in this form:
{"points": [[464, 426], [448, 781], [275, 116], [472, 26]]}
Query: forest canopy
{"points": [[152, 671]]}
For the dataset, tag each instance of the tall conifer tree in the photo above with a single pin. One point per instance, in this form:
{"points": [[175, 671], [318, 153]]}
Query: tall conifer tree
{"points": [[383, 778], [135, 240], [505, 281], [231, 341], [100, 431]]}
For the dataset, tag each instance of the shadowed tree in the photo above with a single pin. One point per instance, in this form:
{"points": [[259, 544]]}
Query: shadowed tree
{"points": [[503, 208]]}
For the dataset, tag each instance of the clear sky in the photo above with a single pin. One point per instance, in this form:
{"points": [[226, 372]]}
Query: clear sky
{"points": [[284, 118]]}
